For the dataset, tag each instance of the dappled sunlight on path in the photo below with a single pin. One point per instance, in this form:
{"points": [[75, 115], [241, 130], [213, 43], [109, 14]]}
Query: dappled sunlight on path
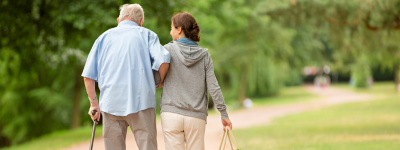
{"points": [[250, 117]]}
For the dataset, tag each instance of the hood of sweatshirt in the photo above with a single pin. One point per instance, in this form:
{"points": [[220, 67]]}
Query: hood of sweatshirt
{"points": [[189, 54]]}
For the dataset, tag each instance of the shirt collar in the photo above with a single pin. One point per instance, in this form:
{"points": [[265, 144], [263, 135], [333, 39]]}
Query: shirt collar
{"points": [[186, 41], [127, 23]]}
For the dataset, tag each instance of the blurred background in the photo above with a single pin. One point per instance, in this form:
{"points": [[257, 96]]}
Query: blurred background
{"points": [[263, 51]]}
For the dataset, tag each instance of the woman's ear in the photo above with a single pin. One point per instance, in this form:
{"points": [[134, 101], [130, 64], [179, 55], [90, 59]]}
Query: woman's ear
{"points": [[180, 30]]}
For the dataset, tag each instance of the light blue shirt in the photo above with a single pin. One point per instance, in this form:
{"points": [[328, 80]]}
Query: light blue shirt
{"points": [[121, 61]]}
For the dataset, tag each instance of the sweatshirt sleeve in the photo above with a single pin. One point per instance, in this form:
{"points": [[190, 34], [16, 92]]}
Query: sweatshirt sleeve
{"points": [[214, 89]]}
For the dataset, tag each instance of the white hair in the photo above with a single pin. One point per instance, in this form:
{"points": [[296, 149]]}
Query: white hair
{"points": [[131, 11]]}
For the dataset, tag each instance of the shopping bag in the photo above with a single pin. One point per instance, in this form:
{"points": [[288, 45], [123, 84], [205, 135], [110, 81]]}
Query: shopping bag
{"points": [[228, 135]]}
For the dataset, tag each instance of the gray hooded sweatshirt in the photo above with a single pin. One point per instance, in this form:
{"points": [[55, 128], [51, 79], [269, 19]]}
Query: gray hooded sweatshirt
{"points": [[190, 76]]}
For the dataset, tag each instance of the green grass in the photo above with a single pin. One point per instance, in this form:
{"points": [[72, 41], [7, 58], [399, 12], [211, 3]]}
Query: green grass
{"points": [[372, 125], [377, 88], [288, 95], [58, 140]]}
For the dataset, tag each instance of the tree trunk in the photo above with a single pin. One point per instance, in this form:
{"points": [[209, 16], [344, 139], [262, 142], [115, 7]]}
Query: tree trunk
{"points": [[242, 93], [76, 115], [243, 85], [396, 76]]}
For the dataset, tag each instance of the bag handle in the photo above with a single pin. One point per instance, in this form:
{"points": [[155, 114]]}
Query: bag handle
{"points": [[228, 133], [223, 141]]}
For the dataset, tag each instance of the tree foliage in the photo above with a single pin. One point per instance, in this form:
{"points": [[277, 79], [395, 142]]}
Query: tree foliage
{"points": [[44, 45]]}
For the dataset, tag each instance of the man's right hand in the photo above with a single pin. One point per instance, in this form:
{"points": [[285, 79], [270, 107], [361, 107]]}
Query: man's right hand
{"points": [[95, 106]]}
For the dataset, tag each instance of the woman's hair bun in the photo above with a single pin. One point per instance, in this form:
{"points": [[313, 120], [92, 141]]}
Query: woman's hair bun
{"points": [[195, 25]]}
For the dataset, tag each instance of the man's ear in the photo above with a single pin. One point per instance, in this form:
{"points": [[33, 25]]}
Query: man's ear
{"points": [[118, 20], [141, 22]]}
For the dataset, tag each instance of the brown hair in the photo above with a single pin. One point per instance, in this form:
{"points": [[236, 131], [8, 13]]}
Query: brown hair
{"points": [[188, 24]]}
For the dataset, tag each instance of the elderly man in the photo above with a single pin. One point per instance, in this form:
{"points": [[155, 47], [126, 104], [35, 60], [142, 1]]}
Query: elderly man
{"points": [[121, 61]]}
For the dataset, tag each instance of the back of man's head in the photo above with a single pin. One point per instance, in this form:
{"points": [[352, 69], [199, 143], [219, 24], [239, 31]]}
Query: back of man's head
{"points": [[132, 12]]}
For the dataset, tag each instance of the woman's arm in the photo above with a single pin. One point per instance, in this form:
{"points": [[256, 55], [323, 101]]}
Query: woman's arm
{"points": [[215, 92], [163, 73]]}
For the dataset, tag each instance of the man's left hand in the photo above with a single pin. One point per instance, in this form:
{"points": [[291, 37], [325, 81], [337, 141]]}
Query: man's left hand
{"points": [[95, 106]]}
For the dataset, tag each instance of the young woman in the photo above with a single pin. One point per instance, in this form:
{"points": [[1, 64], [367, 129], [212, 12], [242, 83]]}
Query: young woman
{"points": [[184, 100]]}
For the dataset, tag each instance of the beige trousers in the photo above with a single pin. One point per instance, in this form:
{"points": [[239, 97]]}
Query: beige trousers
{"points": [[182, 132], [142, 124]]}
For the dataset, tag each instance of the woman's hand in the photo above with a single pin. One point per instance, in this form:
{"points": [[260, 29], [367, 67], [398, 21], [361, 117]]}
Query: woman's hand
{"points": [[227, 122], [160, 85]]}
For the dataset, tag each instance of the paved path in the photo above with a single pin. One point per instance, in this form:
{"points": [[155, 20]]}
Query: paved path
{"points": [[249, 118]]}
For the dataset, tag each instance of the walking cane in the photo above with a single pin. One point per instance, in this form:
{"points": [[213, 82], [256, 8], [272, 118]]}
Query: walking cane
{"points": [[94, 130]]}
